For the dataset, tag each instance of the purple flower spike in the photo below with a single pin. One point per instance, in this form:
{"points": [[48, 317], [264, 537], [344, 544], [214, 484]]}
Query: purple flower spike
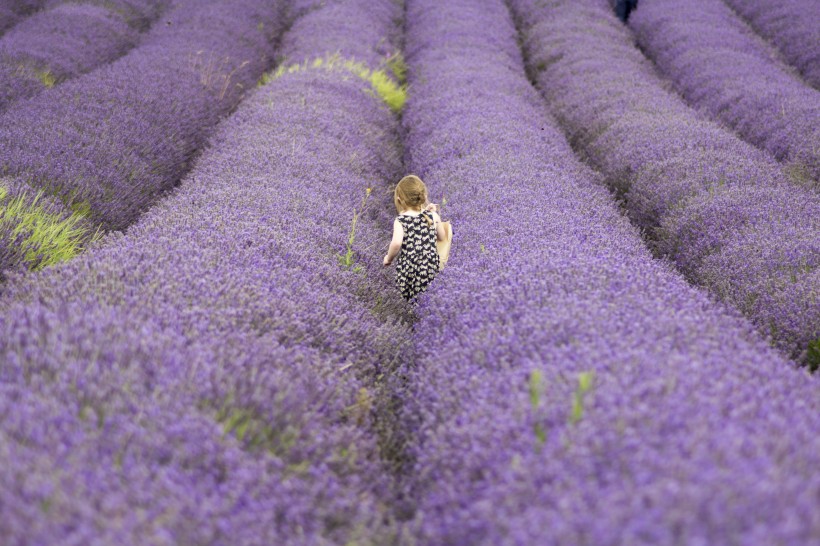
{"points": [[721, 66], [566, 387], [13, 11], [68, 40], [792, 27], [117, 138], [694, 188], [211, 375]]}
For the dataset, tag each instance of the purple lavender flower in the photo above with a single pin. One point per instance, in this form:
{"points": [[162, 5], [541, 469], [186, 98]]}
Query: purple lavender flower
{"points": [[13, 11], [210, 375], [566, 387], [692, 186], [116, 138], [66, 41], [719, 65], [216, 374], [792, 27], [139, 14]]}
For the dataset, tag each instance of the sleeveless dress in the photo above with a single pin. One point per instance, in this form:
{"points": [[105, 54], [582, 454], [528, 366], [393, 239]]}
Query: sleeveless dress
{"points": [[418, 260]]}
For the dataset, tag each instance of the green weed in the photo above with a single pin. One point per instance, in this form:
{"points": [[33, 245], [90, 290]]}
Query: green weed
{"points": [[50, 238], [347, 260], [47, 78], [391, 93], [397, 66], [253, 431], [813, 358], [536, 379], [584, 386]]}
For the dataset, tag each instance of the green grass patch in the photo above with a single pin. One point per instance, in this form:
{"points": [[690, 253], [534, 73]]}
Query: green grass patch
{"points": [[256, 434], [585, 380], [389, 91], [49, 238], [813, 357], [382, 85], [47, 78], [34, 71], [253, 431], [397, 65]]}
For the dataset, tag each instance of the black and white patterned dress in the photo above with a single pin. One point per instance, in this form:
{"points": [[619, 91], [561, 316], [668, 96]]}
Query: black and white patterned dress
{"points": [[418, 260]]}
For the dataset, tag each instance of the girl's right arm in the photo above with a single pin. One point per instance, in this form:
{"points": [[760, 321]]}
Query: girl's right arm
{"points": [[440, 233], [395, 243]]}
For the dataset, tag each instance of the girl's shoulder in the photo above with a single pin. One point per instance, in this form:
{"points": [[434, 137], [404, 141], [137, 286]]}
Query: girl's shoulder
{"points": [[409, 218]]}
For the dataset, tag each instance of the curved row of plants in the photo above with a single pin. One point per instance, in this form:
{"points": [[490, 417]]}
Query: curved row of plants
{"points": [[719, 65], [109, 143], [792, 27], [568, 388], [209, 376], [67, 40], [720, 209], [14, 11]]}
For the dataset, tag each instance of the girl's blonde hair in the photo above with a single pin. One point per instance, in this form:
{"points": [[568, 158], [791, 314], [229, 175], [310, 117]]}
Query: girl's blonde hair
{"points": [[411, 193]]}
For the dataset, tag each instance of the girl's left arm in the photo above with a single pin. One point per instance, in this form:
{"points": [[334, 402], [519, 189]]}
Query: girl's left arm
{"points": [[395, 243]]}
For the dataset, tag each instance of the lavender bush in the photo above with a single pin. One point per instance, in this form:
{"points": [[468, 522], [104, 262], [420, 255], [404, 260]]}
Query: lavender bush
{"points": [[718, 64], [66, 41], [13, 11], [137, 13], [112, 141], [208, 377], [792, 27], [567, 387], [720, 209]]}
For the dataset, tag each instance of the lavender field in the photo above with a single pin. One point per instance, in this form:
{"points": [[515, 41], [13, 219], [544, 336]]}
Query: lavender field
{"points": [[199, 343]]}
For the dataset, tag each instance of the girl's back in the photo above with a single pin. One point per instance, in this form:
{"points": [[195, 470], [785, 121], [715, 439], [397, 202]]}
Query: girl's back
{"points": [[418, 260], [415, 232]]}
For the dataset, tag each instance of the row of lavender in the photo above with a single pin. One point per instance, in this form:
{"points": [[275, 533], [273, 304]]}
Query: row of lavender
{"points": [[208, 377], [107, 144], [63, 40], [14, 11], [67, 40], [719, 64], [792, 27], [722, 210], [569, 388]]}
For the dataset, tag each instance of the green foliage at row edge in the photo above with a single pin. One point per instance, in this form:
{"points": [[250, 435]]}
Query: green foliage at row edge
{"points": [[49, 238]]}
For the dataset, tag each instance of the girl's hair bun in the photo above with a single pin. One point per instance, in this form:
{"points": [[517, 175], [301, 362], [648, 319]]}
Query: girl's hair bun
{"points": [[410, 193]]}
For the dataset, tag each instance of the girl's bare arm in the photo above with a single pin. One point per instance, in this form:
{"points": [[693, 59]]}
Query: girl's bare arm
{"points": [[440, 233], [395, 243]]}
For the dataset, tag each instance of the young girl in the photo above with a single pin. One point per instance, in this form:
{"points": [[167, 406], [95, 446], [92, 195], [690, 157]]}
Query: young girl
{"points": [[415, 232]]}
